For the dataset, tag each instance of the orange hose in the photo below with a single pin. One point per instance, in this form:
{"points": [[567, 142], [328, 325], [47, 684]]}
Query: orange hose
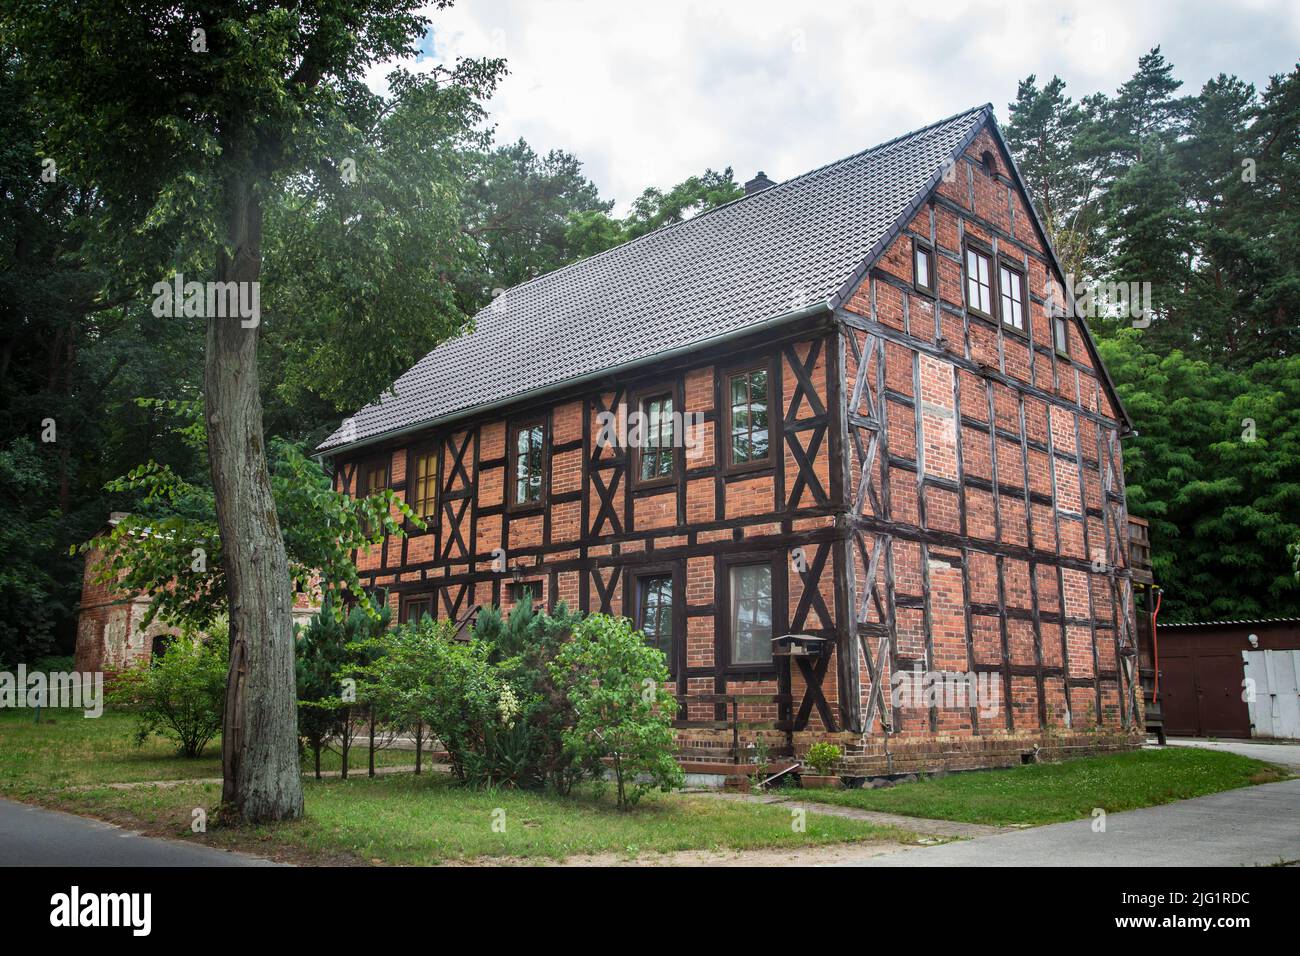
{"points": [[1155, 646]]}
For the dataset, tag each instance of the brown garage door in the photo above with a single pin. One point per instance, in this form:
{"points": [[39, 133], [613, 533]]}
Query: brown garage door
{"points": [[1202, 695]]}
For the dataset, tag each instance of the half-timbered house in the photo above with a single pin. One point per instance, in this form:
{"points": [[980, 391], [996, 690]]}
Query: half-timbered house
{"points": [[867, 426]]}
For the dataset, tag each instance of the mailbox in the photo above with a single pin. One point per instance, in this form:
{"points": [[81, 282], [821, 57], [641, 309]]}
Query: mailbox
{"points": [[800, 645]]}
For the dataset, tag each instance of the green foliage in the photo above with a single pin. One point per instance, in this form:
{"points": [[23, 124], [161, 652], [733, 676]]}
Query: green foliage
{"points": [[614, 681], [592, 231], [1192, 195], [1188, 193], [490, 700], [1222, 494], [362, 262], [326, 651], [515, 705], [172, 551], [822, 756], [450, 685], [518, 207], [180, 695], [30, 595], [161, 148], [524, 645]]}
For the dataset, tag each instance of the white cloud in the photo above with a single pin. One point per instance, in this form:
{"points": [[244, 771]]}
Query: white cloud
{"points": [[647, 95]]}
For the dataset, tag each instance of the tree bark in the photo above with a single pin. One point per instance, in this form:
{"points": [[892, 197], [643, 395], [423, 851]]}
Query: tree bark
{"points": [[261, 776]]}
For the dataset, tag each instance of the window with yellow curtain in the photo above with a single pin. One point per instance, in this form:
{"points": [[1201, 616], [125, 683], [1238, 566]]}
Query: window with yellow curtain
{"points": [[424, 490]]}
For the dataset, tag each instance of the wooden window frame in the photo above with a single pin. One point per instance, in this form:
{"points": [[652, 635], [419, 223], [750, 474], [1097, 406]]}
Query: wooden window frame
{"points": [[364, 469], [432, 448], [675, 644], [638, 399], [780, 585], [987, 254], [923, 248], [730, 467], [1063, 317], [535, 587], [369, 465], [417, 597], [512, 478], [1017, 270]]}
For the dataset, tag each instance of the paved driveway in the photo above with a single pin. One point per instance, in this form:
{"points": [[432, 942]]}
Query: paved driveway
{"points": [[1288, 755], [1251, 826], [30, 836]]}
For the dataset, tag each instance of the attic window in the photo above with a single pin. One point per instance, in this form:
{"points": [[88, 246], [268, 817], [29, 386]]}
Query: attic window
{"points": [[990, 164], [922, 267], [1061, 332]]}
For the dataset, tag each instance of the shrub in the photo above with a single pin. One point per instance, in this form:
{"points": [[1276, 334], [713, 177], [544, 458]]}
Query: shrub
{"points": [[614, 682], [822, 756], [180, 695], [326, 652], [532, 754], [448, 685]]}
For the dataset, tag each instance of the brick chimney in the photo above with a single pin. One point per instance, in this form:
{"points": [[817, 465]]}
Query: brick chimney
{"points": [[758, 184]]}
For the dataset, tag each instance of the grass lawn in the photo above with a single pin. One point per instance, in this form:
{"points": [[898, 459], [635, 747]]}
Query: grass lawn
{"points": [[68, 750], [402, 819], [64, 762], [1051, 793]]}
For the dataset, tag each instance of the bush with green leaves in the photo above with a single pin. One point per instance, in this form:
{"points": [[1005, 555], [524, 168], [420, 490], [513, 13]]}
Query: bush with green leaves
{"points": [[327, 648], [822, 756], [623, 715], [449, 685], [181, 694], [531, 754], [1215, 469]]}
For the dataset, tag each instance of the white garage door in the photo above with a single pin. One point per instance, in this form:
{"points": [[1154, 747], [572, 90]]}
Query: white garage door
{"points": [[1275, 703]]}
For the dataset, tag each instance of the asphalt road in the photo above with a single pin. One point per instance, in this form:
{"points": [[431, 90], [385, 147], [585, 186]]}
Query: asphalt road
{"points": [[30, 836], [1246, 827]]}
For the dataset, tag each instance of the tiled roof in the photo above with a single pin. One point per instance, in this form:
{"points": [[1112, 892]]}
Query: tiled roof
{"points": [[781, 250]]}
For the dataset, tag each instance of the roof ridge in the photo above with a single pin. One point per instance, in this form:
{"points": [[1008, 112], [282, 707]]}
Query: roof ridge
{"points": [[666, 227]]}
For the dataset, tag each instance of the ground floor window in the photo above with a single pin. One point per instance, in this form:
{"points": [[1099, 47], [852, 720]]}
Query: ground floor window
{"points": [[524, 590], [751, 614], [415, 607], [655, 611]]}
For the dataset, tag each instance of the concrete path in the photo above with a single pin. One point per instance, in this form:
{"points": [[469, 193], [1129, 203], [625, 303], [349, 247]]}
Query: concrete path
{"points": [[1252, 826], [1284, 754], [31, 836]]}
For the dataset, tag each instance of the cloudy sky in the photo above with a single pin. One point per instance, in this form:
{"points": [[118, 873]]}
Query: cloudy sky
{"points": [[649, 94]]}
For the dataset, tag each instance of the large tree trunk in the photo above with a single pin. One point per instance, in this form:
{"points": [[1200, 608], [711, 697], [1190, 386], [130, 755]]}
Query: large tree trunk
{"points": [[259, 746]]}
